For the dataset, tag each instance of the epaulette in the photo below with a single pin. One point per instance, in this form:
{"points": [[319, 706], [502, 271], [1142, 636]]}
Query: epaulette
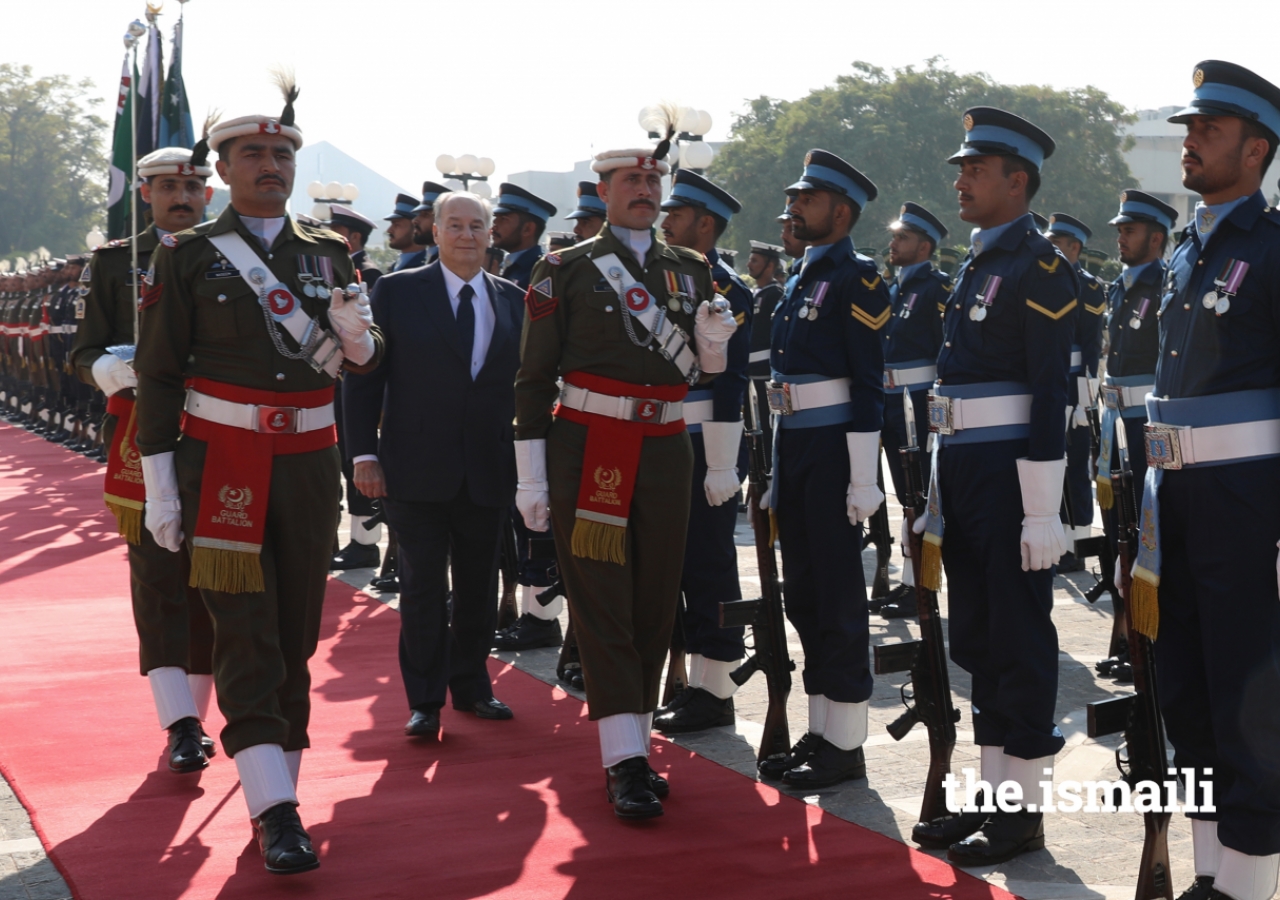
{"points": [[942, 278], [1041, 245], [320, 232], [686, 253], [569, 254], [112, 245], [1272, 213], [181, 238]]}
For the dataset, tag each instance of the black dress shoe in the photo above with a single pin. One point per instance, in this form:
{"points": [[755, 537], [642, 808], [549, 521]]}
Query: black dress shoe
{"points": [[357, 556], [492, 708], [1003, 836], [1122, 672], [702, 710], [1104, 666], [285, 844], [185, 751], [773, 769], [386, 584], [528, 632], [897, 595], [901, 609], [571, 674], [1201, 889], [659, 785], [423, 724], [628, 787], [207, 744], [941, 833], [828, 765], [1070, 563], [677, 701]]}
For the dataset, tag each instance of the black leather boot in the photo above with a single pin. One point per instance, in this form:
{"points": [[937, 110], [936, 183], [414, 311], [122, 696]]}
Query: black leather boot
{"points": [[828, 765], [1003, 836], [699, 711]]}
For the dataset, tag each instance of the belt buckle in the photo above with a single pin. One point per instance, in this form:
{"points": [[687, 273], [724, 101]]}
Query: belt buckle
{"points": [[940, 415], [276, 419], [779, 395], [645, 410], [889, 381], [1164, 445], [1112, 397]]}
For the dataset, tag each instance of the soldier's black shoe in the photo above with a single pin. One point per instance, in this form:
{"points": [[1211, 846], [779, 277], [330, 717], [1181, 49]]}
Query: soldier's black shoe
{"points": [[186, 754], [423, 723], [773, 769], [1070, 563], [897, 595], [700, 711], [571, 674], [1122, 672], [659, 785], [828, 765], [529, 632], [357, 556], [679, 699], [386, 584], [942, 832], [1201, 889], [285, 844], [901, 609], [1104, 666], [1003, 836], [629, 789], [207, 744]]}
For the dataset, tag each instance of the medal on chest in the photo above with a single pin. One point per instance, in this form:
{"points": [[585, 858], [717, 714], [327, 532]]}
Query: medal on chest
{"points": [[813, 301], [908, 306], [1226, 285], [985, 298], [681, 292], [1139, 313], [316, 275]]}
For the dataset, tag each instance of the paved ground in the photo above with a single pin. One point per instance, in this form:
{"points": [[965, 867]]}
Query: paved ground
{"points": [[1087, 856]]}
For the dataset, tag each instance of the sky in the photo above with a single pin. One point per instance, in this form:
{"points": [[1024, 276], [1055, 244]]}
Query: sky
{"points": [[539, 85]]}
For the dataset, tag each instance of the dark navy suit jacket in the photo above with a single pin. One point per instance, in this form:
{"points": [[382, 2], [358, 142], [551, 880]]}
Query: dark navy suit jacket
{"points": [[439, 427]]}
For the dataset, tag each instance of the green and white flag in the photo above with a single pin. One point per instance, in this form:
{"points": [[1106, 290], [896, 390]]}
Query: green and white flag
{"points": [[122, 162]]}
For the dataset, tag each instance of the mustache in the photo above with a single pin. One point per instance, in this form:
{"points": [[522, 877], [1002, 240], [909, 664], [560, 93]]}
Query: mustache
{"points": [[635, 203], [263, 179], [1191, 154], [181, 207]]}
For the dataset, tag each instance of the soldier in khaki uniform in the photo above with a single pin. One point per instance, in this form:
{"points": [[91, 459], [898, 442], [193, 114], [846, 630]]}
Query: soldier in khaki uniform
{"points": [[626, 321], [249, 312], [175, 636]]}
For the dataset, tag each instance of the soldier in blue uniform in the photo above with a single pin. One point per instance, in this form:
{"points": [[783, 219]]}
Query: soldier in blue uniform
{"points": [[423, 218], [400, 234], [588, 217], [1070, 235], [826, 392], [519, 218], [912, 340], [698, 212], [998, 463], [1142, 225], [1209, 527], [765, 265]]}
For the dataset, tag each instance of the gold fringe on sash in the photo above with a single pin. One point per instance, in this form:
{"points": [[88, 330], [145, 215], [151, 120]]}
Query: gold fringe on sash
{"points": [[1144, 605], [228, 571], [931, 563], [596, 540], [128, 519], [1106, 497]]}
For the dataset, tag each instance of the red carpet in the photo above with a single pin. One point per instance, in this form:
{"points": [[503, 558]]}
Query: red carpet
{"points": [[499, 809]]}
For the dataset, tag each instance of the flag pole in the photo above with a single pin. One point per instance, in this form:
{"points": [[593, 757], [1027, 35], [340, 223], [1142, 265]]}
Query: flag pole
{"points": [[136, 29]]}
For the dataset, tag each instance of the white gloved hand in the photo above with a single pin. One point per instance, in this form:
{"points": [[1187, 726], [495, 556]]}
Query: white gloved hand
{"points": [[864, 496], [712, 331], [351, 319], [1080, 419], [164, 510], [1043, 540], [532, 494], [112, 374], [768, 493], [905, 538], [721, 441]]}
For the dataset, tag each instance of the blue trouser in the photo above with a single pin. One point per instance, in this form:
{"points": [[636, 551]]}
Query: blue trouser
{"points": [[1000, 625], [894, 436], [824, 587], [710, 567], [1218, 648], [1079, 492]]}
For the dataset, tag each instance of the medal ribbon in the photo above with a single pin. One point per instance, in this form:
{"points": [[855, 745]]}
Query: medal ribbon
{"points": [[909, 306], [987, 296], [1231, 276], [1140, 314], [673, 282], [818, 294]]}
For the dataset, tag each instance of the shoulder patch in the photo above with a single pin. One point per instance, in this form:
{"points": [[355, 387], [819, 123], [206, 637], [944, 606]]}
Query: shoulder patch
{"points": [[1050, 267], [1052, 315], [118, 242], [1096, 310], [151, 295], [875, 323], [539, 307], [169, 241], [544, 287], [872, 284], [553, 259]]}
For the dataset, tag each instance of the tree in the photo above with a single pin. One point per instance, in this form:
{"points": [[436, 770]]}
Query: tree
{"points": [[51, 153], [900, 128]]}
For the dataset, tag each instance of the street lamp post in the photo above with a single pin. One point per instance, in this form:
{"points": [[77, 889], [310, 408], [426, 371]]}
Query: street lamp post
{"points": [[326, 195], [466, 173], [692, 150]]}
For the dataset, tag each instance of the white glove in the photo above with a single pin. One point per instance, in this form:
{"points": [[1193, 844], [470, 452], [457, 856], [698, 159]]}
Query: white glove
{"points": [[532, 497], [864, 496], [721, 440], [905, 538], [351, 319], [768, 493], [111, 374], [712, 331], [1080, 418], [164, 509], [1043, 540]]}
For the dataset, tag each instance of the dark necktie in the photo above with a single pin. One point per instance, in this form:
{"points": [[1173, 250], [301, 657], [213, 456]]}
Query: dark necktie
{"points": [[467, 320]]}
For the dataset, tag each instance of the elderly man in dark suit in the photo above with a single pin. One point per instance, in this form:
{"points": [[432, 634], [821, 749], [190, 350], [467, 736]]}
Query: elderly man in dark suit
{"points": [[444, 463]]}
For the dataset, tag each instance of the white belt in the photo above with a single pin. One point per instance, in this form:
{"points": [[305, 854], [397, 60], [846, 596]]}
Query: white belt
{"points": [[786, 398], [758, 356], [1175, 446], [947, 415], [698, 411], [1117, 397], [252, 417], [896, 378], [631, 409], [1077, 359]]}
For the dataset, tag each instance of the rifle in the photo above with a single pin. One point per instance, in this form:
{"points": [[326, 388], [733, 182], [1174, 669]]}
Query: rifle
{"points": [[764, 614], [508, 611], [569, 662], [929, 699], [677, 670], [878, 533], [1137, 714], [1099, 546]]}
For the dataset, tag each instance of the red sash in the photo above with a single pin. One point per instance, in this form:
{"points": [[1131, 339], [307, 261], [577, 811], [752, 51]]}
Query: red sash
{"points": [[236, 484], [610, 462], [124, 492]]}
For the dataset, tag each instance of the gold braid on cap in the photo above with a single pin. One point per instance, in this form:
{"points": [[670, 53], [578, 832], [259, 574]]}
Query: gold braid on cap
{"points": [[288, 84]]}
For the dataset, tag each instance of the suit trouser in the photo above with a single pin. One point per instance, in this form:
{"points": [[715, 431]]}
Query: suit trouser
{"points": [[894, 436], [1079, 481], [1000, 623], [623, 614], [357, 503], [173, 625], [1218, 648], [824, 587], [262, 640], [436, 654], [710, 567]]}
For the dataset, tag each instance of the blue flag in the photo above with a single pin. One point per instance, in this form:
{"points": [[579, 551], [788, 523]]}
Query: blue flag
{"points": [[175, 120]]}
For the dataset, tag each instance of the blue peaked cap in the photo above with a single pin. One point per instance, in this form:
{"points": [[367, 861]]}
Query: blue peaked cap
{"points": [[1139, 206], [589, 203], [913, 215], [824, 171], [430, 192], [514, 199], [691, 189], [1061, 223], [994, 132], [1226, 89]]}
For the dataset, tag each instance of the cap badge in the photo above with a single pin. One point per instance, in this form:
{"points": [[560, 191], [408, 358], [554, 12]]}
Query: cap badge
{"points": [[1197, 79], [808, 157], [648, 163], [270, 127], [1124, 198], [903, 211], [186, 169], [968, 122], [1053, 220]]}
